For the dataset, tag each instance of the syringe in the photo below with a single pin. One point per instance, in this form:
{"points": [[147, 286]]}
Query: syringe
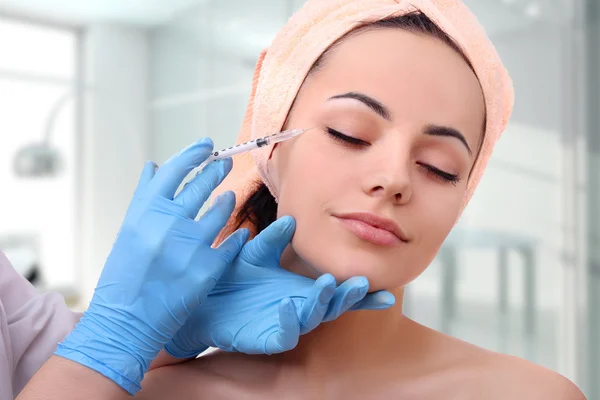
{"points": [[254, 144]]}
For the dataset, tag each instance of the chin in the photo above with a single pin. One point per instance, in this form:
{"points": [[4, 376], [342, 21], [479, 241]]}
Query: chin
{"points": [[345, 262], [380, 277]]}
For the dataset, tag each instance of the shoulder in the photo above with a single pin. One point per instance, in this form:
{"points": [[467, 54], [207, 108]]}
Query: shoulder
{"points": [[506, 376], [478, 373]]}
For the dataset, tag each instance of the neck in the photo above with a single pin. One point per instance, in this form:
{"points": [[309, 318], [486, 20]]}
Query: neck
{"points": [[355, 336], [355, 341]]}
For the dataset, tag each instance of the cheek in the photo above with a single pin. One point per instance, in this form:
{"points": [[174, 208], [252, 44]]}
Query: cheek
{"points": [[309, 179], [311, 185], [436, 215]]}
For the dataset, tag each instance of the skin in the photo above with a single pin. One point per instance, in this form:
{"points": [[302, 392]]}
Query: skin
{"points": [[387, 177], [379, 354], [60, 378]]}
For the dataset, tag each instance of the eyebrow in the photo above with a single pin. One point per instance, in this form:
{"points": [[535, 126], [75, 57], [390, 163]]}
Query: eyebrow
{"points": [[370, 102], [435, 130], [384, 112]]}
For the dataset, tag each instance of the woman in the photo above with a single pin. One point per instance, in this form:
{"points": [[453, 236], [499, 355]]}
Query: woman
{"points": [[407, 99]]}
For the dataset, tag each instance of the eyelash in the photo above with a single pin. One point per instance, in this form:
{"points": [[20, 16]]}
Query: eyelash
{"points": [[430, 169], [345, 139], [439, 174]]}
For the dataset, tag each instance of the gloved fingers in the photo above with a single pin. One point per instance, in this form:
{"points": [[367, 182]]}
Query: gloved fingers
{"points": [[286, 338], [171, 174], [346, 296], [229, 249], [376, 301], [316, 304], [205, 271], [198, 190], [269, 245], [215, 218], [145, 177], [175, 347]]}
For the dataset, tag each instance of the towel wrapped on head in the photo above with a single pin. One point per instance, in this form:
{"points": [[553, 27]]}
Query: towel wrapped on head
{"points": [[283, 67]]}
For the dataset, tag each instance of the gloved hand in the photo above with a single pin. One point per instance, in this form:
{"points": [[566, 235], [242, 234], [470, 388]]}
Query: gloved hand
{"points": [[159, 271], [257, 307]]}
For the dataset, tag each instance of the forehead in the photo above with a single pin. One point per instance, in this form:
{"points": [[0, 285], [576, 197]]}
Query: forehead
{"points": [[420, 78]]}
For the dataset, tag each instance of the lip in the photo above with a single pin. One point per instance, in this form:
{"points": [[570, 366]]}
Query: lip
{"points": [[373, 228]]}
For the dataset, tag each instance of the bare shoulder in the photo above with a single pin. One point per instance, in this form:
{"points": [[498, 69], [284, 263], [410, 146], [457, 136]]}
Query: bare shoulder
{"points": [[474, 372], [515, 378]]}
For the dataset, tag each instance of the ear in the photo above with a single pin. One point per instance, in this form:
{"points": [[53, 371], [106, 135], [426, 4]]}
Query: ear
{"points": [[274, 166]]}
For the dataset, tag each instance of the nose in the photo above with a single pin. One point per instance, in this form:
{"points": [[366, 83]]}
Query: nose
{"points": [[390, 178]]}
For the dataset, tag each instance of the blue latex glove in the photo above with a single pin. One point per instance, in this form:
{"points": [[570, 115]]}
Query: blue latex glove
{"points": [[160, 269], [257, 307]]}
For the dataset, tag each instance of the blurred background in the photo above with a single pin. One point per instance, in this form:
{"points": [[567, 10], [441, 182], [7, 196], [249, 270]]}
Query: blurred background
{"points": [[90, 90]]}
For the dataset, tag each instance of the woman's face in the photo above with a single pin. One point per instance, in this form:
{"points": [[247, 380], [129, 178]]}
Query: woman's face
{"points": [[376, 188]]}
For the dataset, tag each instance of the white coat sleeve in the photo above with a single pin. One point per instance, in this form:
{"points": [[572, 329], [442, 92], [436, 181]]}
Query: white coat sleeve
{"points": [[31, 325]]}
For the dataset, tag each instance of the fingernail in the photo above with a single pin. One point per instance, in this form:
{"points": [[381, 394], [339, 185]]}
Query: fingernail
{"points": [[358, 293], [286, 302], [244, 233], [227, 164], [353, 294], [152, 163], [326, 295], [389, 299], [205, 141], [286, 223], [217, 199], [221, 197]]}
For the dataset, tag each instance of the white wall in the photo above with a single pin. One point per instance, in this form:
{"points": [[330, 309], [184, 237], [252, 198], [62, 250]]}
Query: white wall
{"points": [[115, 65], [37, 72]]}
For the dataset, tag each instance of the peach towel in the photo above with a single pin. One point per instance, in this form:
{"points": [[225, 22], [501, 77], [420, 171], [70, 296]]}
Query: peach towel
{"points": [[282, 68]]}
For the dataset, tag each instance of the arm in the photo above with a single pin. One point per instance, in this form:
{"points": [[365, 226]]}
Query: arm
{"points": [[160, 269], [35, 323], [60, 378]]}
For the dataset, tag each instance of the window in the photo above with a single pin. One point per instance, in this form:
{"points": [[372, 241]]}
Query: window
{"points": [[38, 70]]}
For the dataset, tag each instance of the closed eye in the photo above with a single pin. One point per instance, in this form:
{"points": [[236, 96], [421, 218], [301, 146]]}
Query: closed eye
{"points": [[345, 139], [429, 169], [439, 174]]}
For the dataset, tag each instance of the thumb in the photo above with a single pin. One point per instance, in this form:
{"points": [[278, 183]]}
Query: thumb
{"points": [[271, 242], [145, 177], [287, 336], [230, 248]]}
